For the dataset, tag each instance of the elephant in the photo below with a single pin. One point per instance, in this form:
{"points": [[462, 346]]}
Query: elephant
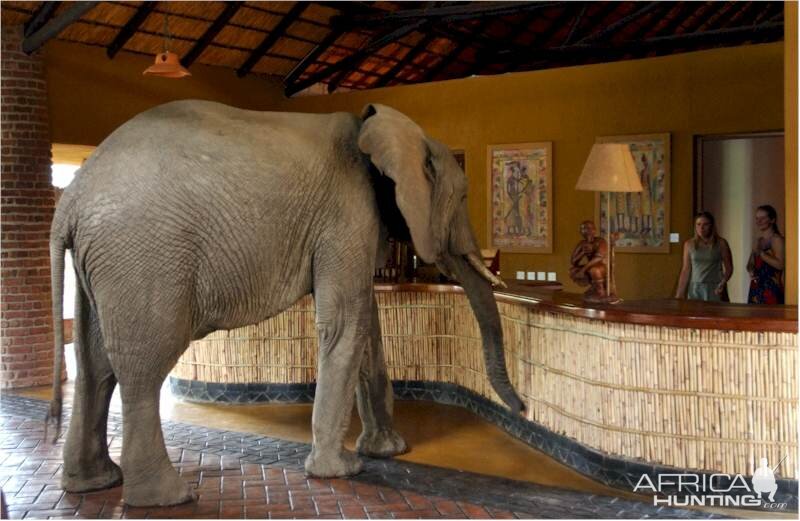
{"points": [[194, 216]]}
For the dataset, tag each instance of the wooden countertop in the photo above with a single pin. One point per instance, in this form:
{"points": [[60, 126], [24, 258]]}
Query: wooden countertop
{"points": [[662, 312]]}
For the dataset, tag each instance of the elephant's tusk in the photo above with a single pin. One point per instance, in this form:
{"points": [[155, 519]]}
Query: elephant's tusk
{"points": [[477, 263]]}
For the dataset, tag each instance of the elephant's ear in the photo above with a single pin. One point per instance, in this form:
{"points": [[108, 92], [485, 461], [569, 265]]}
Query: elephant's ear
{"points": [[396, 146]]}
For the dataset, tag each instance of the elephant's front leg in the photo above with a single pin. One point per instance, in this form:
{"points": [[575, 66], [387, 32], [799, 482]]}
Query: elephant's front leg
{"points": [[375, 400], [343, 322]]}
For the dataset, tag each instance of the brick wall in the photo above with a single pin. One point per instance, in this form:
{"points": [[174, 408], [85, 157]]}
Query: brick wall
{"points": [[27, 209]]}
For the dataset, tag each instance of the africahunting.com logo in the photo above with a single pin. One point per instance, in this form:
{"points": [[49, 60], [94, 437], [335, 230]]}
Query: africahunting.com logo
{"points": [[715, 490]]}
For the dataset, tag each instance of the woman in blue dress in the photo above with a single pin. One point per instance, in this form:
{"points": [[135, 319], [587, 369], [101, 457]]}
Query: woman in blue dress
{"points": [[766, 259]]}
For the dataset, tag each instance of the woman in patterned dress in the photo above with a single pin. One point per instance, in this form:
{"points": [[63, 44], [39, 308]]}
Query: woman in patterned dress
{"points": [[766, 259]]}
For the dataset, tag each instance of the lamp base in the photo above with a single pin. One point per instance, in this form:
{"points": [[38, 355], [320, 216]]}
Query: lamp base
{"points": [[594, 298]]}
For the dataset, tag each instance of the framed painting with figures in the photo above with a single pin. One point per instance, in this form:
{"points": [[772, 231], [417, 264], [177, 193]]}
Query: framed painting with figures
{"points": [[640, 219], [520, 194]]}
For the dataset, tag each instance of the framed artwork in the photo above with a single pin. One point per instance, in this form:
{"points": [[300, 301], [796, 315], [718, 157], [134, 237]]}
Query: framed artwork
{"points": [[641, 219], [520, 194]]}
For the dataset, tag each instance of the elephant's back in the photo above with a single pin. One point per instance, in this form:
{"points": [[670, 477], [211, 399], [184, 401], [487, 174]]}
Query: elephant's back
{"points": [[189, 190]]}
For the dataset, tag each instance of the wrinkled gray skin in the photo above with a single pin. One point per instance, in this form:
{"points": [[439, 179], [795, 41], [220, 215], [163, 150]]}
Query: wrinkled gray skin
{"points": [[194, 217]]}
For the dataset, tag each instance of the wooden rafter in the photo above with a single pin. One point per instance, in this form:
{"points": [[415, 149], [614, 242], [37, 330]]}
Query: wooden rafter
{"points": [[541, 38], [622, 22], [130, 28], [449, 13], [54, 27], [597, 18], [211, 33], [668, 23], [453, 55], [309, 58], [420, 46], [730, 36], [40, 17], [348, 62], [272, 38], [576, 22]]}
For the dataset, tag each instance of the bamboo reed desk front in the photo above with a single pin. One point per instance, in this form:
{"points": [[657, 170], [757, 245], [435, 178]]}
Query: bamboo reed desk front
{"points": [[652, 383]]}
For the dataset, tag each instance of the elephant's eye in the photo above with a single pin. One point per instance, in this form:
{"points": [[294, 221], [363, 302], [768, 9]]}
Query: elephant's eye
{"points": [[430, 171]]}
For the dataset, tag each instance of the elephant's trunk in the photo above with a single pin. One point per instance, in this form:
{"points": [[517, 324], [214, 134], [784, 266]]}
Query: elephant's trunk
{"points": [[481, 299]]}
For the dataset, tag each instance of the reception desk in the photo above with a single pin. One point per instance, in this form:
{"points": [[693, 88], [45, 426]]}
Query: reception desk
{"points": [[613, 391]]}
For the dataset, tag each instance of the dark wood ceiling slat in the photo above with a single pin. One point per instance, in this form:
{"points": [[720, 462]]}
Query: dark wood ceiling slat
{"points": [[453, 55], [270, 40], [130, 28], [597, 19], [415, 51], [52, 28], [733, 36], [622, 22], [309, 58], [349, 61], [449, 13], [668, 23], [40, 17], [211, 33], [543, 37], [575, 23]]}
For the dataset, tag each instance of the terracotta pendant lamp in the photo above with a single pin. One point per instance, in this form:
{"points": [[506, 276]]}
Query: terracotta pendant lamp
{"points": [[167, 63]]}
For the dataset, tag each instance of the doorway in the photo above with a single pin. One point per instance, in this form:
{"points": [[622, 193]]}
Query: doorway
{"points": [[735, 174]]}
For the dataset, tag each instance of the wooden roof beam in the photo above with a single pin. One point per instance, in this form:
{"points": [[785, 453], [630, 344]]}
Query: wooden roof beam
{"points": [[452, 56], [54, 27], [130, 28], [420, 46], [211, 33], [449, 13], [349, 61], [542, 38], [40, 17], [272, 38], [732, 36], [309, 58], [622, 22]]}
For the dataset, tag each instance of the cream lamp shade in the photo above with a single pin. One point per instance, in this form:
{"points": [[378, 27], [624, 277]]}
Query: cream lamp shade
{"points": [[609, 168]]}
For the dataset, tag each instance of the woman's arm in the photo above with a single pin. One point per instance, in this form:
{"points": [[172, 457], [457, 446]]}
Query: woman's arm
{"points": [[686, 271], [776, 260], [727, 266], [751, 261]]}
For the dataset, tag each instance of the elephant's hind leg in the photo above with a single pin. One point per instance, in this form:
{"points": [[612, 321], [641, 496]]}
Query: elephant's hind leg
{"points": [[142, 358], [343, 322], [87, 465], [378, 438]]}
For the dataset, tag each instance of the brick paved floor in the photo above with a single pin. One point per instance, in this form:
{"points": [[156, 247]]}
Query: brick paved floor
{"points": [[239, 475]]}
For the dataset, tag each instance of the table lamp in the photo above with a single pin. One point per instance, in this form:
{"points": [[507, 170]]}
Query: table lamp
{"points": [[609, 168]]}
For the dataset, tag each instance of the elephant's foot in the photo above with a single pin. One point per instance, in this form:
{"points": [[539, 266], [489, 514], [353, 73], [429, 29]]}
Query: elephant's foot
{"points": [[381, 443], [79, 478], [332, 464], [161, 488]]}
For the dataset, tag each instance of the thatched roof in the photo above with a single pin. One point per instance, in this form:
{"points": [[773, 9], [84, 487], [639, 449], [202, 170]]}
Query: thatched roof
{"points": [[362, 45]]}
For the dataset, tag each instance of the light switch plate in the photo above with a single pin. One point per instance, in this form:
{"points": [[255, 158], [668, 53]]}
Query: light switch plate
{"points": [[674, 238], [551, 276], [520, 275], [531, 275], [541, 275]]}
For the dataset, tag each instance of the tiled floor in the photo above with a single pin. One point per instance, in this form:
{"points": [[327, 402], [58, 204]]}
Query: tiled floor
{"points": [[241, 475]]}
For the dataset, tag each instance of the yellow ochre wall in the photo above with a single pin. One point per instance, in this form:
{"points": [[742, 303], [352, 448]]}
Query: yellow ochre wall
{"points": [[711, 92], [89, 95]]}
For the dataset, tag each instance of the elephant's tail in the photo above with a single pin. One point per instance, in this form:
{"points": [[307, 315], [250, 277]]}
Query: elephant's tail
{"points": [[57, 249]]}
